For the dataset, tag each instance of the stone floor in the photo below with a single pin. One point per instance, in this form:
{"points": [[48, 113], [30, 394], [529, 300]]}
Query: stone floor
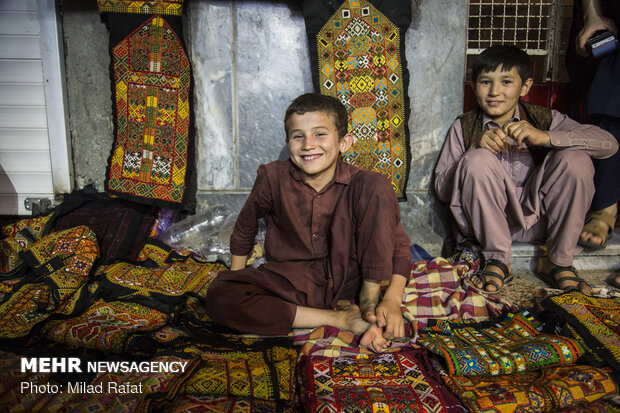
{"points": [[526, 290]]}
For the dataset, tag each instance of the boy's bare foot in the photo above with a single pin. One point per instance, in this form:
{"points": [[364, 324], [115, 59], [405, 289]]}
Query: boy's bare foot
{"points": [[373, 338], [353, 321]]}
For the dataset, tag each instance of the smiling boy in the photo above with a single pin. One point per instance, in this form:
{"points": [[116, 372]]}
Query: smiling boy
{"points": [[333, 233], [513, 171]]}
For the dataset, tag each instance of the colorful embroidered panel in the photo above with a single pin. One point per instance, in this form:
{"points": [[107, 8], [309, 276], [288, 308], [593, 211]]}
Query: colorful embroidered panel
{"points": [[358, 56], [267, 374], [512, 345], [170, 7], [105, 326], [397, 382], [57, 266], [152, 157], [596, 321], [546, 390]]}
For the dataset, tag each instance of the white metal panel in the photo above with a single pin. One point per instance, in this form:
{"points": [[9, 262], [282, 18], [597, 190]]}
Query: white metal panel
{"points": [[23, 117], [22, 94], [30, 79], [25, 161], [19, 22], [19, 47], [52, 56], [17, 139], [21, 71], [26, 182]]}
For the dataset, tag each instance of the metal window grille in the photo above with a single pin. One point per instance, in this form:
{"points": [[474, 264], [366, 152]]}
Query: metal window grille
{"points": [[527, 24]]}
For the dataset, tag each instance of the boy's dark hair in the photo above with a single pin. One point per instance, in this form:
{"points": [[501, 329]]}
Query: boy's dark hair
{"points": [[506, 56], [312, 102]]}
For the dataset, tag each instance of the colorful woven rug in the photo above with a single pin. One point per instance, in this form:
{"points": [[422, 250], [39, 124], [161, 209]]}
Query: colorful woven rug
{"points": [[546, 390], [152, 158], [358, 55], [190, 403], [594, 320], [511, 345], [400, 382]]}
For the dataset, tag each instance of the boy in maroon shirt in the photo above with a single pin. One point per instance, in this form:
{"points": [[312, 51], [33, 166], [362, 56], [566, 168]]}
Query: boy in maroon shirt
{"points": [[333, 233]]}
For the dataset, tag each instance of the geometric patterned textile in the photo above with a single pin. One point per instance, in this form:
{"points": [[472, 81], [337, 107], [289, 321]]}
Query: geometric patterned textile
{"points": [[19, 236], [152, 157], [512, 345], [357, 54], [437, 291], [56, 267], [171, 280], [398, 382], [267, 374], [596, 321], [170, 7], [105, 326], [546, 390], [192, 403]]}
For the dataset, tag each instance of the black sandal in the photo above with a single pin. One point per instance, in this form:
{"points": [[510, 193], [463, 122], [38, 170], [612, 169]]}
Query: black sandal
{"points": [[483, 275], [550, 278]]}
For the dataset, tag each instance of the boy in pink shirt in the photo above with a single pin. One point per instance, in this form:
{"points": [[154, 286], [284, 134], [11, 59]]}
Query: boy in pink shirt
{"points": [[513, 171]]}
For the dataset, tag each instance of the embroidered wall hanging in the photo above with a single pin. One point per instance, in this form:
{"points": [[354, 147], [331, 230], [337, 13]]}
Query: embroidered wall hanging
{"points": [[152, 158], [357, 55], [171, 7]]}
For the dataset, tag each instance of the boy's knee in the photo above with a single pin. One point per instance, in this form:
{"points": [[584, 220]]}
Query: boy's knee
{"points": [[573, 164], [479, 162]]}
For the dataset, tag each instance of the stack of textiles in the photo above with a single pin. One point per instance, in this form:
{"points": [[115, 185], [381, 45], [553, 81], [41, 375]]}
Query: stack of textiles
{"points": [[509, 365], [59, 297]]}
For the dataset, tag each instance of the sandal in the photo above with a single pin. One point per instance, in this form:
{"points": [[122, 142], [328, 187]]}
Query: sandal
{"points": [[484, 275], [555, 283], [594, 229], [613, 281]]}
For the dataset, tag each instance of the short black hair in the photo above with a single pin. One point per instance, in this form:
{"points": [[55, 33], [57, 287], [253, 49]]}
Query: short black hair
{"points": [[312, 102], [506, 56]]}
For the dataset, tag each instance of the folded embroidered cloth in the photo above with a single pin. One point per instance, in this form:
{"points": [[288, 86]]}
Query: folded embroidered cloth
{"points": [[511, 345], [403, 381]]}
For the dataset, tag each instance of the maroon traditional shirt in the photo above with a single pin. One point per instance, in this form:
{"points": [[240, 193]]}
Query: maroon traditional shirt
{"points": [[353, 223]]}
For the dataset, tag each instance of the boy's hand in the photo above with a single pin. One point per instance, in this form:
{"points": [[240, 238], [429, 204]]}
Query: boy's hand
{"points": [[390, 319], [523, 131], [493, 140]]}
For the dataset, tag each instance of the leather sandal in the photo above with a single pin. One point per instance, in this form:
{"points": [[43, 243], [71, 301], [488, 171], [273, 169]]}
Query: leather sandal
{"points": [[550, 278], [485, 276], [590, 226]]}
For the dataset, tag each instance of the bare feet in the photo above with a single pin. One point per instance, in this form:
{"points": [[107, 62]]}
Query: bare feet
{"points": [[373, 338], [353, 321], [371, 334]]}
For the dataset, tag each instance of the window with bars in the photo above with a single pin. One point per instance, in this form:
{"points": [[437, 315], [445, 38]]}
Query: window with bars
{"points": [[525, 24], [536, 26]]}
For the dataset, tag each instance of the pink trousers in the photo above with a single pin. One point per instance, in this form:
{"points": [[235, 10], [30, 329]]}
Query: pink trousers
{"points": [[550, 206]]}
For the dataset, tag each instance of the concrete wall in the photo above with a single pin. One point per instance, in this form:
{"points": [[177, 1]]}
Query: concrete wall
{"points": [[250, 59]]}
